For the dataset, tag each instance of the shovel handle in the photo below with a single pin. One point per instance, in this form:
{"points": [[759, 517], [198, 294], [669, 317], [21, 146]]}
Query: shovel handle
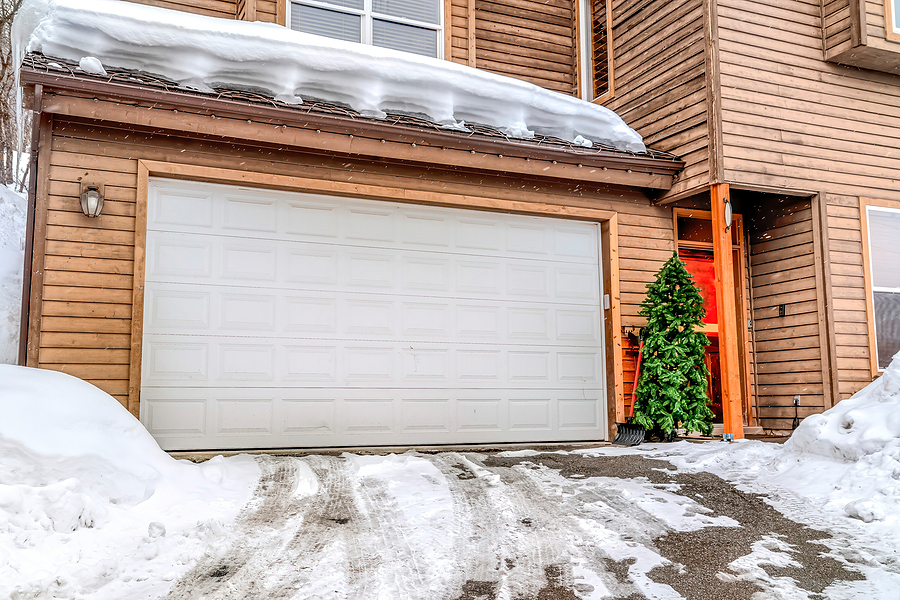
{"points": [[637, 376]]}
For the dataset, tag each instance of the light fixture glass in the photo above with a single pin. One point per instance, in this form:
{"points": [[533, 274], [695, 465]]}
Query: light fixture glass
{"points": [[91, 202], [728, 214]]}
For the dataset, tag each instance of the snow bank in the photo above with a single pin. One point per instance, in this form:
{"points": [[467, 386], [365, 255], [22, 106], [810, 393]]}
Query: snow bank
{"points": [[861, 426], [202, 52], [12, 230], [89, 501]]}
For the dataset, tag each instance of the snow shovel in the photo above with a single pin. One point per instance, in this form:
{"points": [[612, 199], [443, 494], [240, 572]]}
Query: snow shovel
{"points": [[629, 433]]}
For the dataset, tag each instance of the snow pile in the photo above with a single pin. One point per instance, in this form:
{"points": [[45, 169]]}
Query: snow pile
{"points": [[203, 52], [88, 498], [12, 230], [859, 427]]}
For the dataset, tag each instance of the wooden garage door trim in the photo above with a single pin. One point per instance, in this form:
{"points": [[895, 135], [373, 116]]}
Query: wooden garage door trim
{"points": [[606, 218]]}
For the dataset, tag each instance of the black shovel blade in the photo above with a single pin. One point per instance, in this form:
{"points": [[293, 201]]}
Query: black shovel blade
{"points": [[628, 434]]}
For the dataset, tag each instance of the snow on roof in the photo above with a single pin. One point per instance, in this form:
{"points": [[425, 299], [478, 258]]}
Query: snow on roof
{"points": [[203, 51]]}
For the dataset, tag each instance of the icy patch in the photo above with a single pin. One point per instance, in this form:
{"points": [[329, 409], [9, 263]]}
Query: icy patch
{"points": [[771, 551], [12, 233], [202, 51], [89, 504]]}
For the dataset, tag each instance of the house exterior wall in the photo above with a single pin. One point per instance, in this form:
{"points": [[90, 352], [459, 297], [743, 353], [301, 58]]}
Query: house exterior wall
{"points": [[795, 122], [84, 288], [789, 348], [660, 68], [226, 9]]}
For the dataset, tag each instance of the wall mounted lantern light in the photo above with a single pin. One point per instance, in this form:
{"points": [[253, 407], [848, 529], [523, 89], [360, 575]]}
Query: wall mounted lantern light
{"points": [[728, 214], [91, 200]]}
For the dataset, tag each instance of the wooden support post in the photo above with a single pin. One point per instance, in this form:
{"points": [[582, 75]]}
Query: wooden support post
{"points": [[729, 357]]}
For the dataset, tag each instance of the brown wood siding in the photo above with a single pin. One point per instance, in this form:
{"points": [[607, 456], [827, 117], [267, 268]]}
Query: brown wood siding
{"points": [[227, 9], [836, 26], [83, 306], [533, 40], [783, 272], [848, 290], [660, 73], [459, 31], [794, 121]]}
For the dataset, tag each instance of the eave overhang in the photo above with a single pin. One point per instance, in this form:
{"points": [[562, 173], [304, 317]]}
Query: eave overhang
{"points": [[93, 97]]}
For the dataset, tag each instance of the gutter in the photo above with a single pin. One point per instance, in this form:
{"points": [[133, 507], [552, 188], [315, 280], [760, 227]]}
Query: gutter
{"points": [[343, 125], [29, 224]]}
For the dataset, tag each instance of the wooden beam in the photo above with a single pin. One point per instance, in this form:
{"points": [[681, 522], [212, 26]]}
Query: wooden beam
{"points": [[250, 10], [137, 299], [42, 191], [615, 386], [590, 168], [823, 300], [281, 12], [729, 353]]}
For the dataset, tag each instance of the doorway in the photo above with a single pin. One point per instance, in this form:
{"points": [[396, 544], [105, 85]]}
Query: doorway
{"points": [[694, 239]]}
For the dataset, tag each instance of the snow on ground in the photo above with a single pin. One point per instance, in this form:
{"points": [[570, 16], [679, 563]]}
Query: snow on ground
{"points": [[89, 504], [202, 52], [12, 232], [839, 472]]}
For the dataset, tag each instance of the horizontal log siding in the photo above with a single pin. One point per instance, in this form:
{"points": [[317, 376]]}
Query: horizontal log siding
{"points": [[85, 318], [836, 26], [459, 31], [848, 294], [227, 9], [533, 40], [789, 348], [660, 74], [792, 120]]}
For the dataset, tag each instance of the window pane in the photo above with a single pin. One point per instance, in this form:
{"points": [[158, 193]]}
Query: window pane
{"points": [[896, 11], [330, 23], [408, 38], [884, 247], [887, 326], [357, 4], [428, 11], [695, 230]]}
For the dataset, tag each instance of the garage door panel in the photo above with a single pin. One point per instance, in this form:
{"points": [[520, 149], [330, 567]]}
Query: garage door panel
{"points": [[179, 258], [278, 319], [392, 317], [247, 418], [206, 361]]}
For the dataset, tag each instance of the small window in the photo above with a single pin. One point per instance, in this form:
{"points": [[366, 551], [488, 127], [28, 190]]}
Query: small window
{"points": [[409, 25], [601, 67], [883, 226]]}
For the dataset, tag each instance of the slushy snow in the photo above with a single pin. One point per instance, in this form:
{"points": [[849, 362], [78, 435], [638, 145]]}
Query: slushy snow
{"points": [[12, 232], [206, 52], [89, 504]]}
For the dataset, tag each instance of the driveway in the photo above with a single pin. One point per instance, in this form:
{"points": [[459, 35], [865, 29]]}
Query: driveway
{"points": [[510, 526]]}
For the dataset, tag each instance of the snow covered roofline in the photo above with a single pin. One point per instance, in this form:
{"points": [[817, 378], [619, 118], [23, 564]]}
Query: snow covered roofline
{"points": [[203, 52]]}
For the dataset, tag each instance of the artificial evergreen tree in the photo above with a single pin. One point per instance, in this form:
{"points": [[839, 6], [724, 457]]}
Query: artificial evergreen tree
{"points": [[672, 390]]}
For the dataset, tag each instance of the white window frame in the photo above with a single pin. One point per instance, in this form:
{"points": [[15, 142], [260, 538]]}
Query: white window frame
{"points": [[868, 205], [368, 15]]}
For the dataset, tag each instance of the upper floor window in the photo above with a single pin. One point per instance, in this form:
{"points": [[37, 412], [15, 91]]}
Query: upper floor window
{"points": [[882, 221], [409, 25]]}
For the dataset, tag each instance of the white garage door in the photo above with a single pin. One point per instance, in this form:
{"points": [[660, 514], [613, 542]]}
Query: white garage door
{"points": [[277, 319]]}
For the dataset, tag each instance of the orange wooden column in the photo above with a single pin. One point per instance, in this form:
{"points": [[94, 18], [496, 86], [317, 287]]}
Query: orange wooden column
{"points": [[729, 356]]}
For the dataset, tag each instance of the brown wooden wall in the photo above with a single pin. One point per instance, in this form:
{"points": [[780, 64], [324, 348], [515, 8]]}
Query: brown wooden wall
{"points": [[836, 26], [789, 350], [82, 295], [792, 120], [848, 294], [660, 74], [534, 40], [226, 9]]}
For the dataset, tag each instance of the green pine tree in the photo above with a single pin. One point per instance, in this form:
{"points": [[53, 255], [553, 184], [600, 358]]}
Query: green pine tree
{"points": [[672, 389]]}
